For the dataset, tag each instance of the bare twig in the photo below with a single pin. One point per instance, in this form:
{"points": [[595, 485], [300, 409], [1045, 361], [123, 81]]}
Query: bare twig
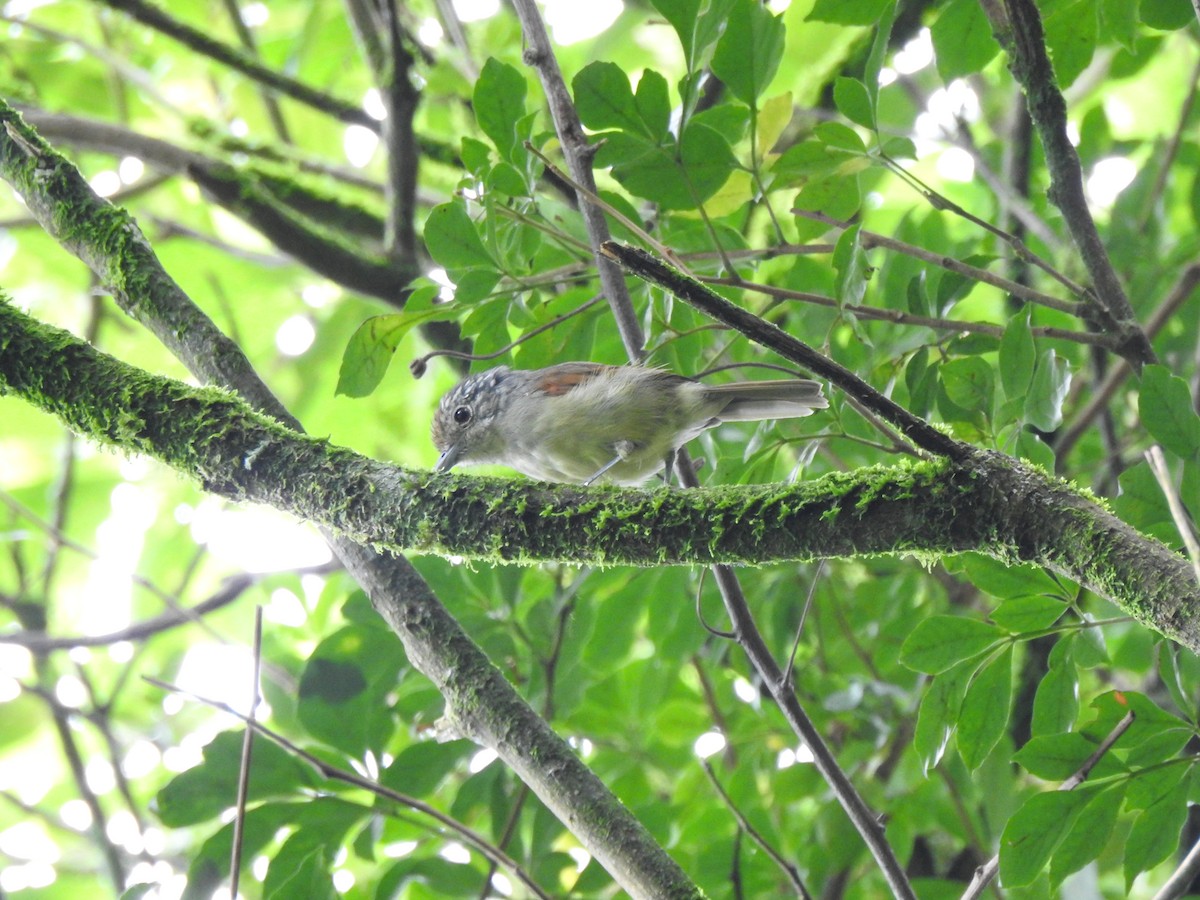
{"points": [[1180, 292], [241, 61], [1020, 31], [243, 783], [870, 239], [1183, 522], [917, 430], [789, 869], [325, 770], [900, 317], [579, 162]]}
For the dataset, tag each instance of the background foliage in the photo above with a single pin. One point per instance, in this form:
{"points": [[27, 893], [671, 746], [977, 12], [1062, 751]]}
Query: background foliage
{"points": [[957, 694]]}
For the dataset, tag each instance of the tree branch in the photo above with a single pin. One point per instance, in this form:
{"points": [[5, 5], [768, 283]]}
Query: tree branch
{"points": [[985, 502], [1020, 32], [479, 700], [241, 61], [769, 335]]}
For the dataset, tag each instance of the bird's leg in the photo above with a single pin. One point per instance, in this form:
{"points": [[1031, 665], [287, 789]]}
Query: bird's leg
{"points": [[623, 449], [669, 465]]}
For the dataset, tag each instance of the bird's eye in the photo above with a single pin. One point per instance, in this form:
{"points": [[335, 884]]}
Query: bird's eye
{"points": [[462, 415]]}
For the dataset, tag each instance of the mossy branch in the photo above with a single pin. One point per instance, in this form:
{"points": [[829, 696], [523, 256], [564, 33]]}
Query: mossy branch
{"points": [[987, 502]]}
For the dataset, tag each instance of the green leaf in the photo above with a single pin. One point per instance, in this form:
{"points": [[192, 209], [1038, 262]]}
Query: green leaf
{"points": [[1155, 835], [985, 710], [1056, 757], [1141, 502], [1051, 381], [1178, 669], [850, 262], [836, 197], [704, 165], [370, 349], [698, 24], [207, 790], [707, 160], [1155, 782], [1056, 701], [1034, 832], [841, 137], [345, 683], [653, 104], [1119, 21], [302, 867], [1024, 614], [848, 12], [875, 59], [962, 39], [1165, 407], [1166, 15], [1150, 720], [969, 383], [1018, 356], [419, 768], [499, 103], [1088, 837], [749, 51], [1071, 39], [429, 877], [1033, 448], [605, 100], [452, 240], [1005, 581], [854, 102], [938, 713], [939, 642]]}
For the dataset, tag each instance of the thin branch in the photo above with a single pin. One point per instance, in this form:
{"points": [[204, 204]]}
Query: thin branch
{"points": [[1181, 880], [1180, 293], [866, 823], [243, 782], [942, 202], [870, 239], [30, 639], [900, 317], [772, 337], [1020, 31], [241, 61], [1166, 159], [789, 869], [589, 195], [988, 871], [401, 98], [332, 773], [1179, 514], [578, 154], [42, 643], [808, 602], [274, 113]]}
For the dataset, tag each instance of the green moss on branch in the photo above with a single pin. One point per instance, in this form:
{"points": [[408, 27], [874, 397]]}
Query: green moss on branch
{"points": [[987, 502]]}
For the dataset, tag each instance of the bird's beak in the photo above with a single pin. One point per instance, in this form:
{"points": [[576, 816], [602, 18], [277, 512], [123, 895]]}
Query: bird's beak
{"points": [[448, 459]]}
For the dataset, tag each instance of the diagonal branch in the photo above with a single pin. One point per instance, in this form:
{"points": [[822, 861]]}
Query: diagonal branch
{"points": [[242, 61], [144, 412], [769, 335], [1019, 30]]}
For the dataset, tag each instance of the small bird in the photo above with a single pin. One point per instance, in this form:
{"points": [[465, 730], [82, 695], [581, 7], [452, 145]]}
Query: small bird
{"points": [[582, 422]]}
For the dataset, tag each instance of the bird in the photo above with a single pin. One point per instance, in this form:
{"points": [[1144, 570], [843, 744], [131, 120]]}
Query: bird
{"points": [[584, 422]]}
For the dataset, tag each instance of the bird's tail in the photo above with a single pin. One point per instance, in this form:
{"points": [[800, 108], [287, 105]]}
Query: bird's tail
{"points": [[751, 401]]}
